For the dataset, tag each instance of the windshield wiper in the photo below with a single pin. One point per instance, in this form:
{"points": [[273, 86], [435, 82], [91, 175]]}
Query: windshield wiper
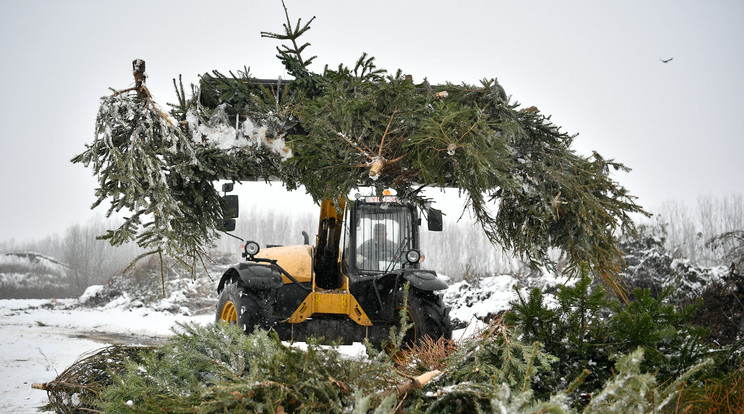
{"points": [[396, 258]]}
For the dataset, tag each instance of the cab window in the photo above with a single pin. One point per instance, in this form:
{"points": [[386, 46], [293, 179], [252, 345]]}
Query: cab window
{"points": [[382, 237]]}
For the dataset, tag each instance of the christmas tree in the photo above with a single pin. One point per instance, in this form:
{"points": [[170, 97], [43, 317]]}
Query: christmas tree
{"points": [[347, 127]]}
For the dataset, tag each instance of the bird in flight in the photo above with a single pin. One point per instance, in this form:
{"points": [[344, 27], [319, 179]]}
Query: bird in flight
{"points": [[666, 60]]}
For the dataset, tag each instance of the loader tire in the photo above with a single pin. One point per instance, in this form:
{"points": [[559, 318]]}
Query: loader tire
{"points": [[428, 315], [249, 309]]}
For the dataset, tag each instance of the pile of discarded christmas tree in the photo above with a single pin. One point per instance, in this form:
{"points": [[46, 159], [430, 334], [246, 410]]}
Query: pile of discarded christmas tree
{"points": [[590, 353], [360, 126]]}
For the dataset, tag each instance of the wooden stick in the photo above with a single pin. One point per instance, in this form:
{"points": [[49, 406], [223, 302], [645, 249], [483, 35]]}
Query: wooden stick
{"points": [[413, 384], [363, 152], [382, 141], [162, 273]]}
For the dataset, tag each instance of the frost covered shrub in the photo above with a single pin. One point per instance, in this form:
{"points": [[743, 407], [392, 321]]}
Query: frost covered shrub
{"points": [[633, 390], [720, 289], [588, 329], [497, 373], [722, 311], [651, 266]]}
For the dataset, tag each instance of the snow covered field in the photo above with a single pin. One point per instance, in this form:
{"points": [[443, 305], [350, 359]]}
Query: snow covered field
{"points": [[41, 338]]}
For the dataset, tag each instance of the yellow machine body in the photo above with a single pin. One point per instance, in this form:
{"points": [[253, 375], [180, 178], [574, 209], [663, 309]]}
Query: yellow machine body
{"points": [[299, 262], [337, 301], [296, 260]]}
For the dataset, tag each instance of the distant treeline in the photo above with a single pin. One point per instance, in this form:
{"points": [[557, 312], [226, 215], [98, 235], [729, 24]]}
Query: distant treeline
{"points": [[689, 229], [460, 251], [86, 261]]}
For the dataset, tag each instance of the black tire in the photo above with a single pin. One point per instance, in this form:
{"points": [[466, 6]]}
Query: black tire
{"points": [[250, 309], [428, 315]]}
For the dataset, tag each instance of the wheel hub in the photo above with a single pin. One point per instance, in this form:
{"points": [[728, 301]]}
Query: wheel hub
{"points": [[229, 313]]}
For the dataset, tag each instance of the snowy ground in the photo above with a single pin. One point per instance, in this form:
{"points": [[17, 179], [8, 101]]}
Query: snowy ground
{"points": [[41, 338]]}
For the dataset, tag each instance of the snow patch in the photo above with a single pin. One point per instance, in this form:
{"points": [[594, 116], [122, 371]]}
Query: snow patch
{"points": [[219, 133], [488, 296], [90, 292]]}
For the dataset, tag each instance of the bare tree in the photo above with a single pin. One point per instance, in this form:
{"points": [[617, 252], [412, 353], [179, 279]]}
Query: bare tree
{"points": [[691, 231], [88, 259], [731, 247], [80, 253]]}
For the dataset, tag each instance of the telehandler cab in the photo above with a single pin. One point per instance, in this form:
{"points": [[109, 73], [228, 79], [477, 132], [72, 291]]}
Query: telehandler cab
{"points": [[349, 286]]}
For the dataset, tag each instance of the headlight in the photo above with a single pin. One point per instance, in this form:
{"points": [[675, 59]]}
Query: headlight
{"points": [[251, 248], [413, 256]]}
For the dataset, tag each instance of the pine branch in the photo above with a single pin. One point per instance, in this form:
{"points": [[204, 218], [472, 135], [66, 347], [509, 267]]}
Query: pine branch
{"points": [[292, 56]]}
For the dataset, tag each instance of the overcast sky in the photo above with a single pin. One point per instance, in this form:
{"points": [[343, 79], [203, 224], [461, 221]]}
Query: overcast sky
{"points": [[595, 66]]}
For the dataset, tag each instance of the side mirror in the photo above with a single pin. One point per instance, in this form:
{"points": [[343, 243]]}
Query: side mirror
{"points": [[227, 187], [231, 206], [228, 225], [434, 219]]}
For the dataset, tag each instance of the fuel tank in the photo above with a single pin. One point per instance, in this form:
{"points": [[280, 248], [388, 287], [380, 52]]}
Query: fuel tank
{"points": [[296, 260]]}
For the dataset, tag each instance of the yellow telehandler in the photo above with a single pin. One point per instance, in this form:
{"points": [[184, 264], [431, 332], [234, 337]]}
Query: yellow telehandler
{"points": [[348, 286]]}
